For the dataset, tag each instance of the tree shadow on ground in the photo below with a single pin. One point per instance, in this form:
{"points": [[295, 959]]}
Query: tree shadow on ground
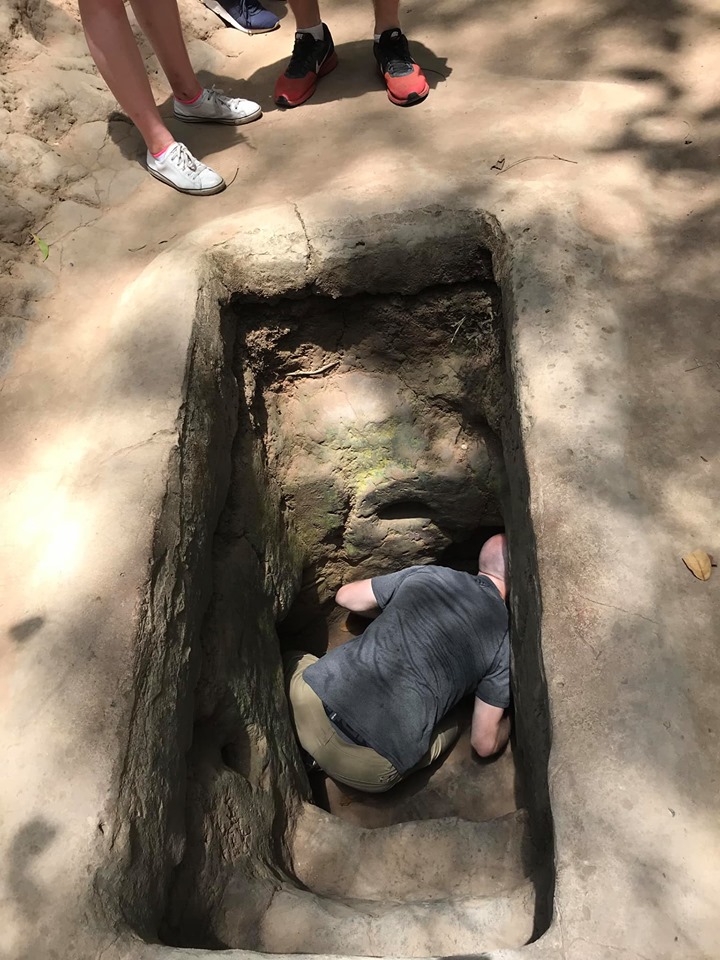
{"points": [[25, 891]]}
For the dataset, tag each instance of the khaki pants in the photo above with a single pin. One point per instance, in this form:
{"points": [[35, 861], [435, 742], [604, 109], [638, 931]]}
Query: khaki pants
{"points": [[349, 763]]}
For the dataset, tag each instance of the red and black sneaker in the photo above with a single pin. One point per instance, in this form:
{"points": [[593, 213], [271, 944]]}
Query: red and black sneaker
{"points": [[311, 59], [405, 81]]}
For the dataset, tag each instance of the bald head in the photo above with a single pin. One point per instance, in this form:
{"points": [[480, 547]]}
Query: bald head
{"points": [[494, 558]]}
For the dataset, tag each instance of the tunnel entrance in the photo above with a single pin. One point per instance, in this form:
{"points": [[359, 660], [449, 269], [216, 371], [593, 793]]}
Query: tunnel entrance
{"points": [[368, 436]]}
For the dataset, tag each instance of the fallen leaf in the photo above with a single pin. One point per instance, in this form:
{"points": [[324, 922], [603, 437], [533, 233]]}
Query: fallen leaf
{"points": [[699, 564], [44, 247]]}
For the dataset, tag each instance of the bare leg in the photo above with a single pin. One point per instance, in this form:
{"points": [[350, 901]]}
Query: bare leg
{"points": [[160, 22], [115, 52], [306, 12], [387, 14]]}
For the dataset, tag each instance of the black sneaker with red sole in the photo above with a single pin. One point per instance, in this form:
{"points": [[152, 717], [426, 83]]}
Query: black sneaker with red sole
{"points": [[405, 82], [311, 59]]}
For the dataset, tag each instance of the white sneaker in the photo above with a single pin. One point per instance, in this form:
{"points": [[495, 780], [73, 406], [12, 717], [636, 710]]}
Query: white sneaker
{"points": [[180, 169], [214, 107]]}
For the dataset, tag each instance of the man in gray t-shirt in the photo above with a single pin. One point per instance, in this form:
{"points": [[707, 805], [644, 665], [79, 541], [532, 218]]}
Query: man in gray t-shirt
{"points": [[379, 707]]}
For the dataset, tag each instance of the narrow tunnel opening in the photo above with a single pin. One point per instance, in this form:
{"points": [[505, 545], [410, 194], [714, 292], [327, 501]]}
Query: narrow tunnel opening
{"points": [[405, 510], [369, 438]]}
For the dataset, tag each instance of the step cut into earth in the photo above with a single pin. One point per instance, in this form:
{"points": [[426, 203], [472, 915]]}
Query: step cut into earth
{"points": [[370, 431]]}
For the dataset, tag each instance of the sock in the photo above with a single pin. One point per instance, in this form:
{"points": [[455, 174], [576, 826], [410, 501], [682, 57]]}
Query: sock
{"points": [[315, 32], [376, 37], [163, 151], [190, 102]]}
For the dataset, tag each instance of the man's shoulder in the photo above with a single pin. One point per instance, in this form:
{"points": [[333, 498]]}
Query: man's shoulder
{"points": [[413, 580], [451, 575], [439, 574], [436, 570]]}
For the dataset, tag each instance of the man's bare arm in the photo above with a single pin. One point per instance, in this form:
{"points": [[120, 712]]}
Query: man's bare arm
{"points": [[358, 597], [490, 729]]}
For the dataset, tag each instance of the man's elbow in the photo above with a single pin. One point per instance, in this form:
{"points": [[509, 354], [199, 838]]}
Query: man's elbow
{"points": [[487, 744], [484, 746], [343, 597]]}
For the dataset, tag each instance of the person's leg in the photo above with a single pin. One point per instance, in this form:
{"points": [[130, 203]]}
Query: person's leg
{"points": [[306, 13], [358, 767], [366, 770], [313, 56], [115, 52], [387, 15], [160, 22], [348, 763], [405, 82], [311, 723]]}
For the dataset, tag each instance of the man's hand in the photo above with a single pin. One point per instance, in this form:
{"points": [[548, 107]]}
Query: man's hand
{"points": [[359, 598], [490, 728]]}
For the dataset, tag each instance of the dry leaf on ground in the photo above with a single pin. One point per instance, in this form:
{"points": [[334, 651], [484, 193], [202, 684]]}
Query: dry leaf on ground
{"points": [[699, 564]]}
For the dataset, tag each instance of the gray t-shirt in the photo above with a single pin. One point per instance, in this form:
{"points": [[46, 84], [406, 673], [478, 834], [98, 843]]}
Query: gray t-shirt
{"points": [[442, 635]]}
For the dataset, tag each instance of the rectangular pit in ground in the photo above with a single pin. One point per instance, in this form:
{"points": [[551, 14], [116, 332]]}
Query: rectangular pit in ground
{"points": [[371, 432]]}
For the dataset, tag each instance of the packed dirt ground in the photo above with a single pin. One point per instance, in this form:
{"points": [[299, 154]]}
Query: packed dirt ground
{"points": [[590, 131]]}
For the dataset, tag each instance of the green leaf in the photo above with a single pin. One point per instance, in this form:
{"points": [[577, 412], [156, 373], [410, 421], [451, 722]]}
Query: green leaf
{"points": [[44, 247]]}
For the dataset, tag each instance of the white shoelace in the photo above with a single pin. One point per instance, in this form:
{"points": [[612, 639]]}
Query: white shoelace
{"points": [[218, 97], [181, 157]]}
